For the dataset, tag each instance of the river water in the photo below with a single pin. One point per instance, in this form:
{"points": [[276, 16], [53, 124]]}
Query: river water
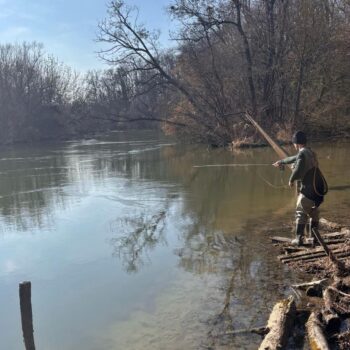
{"points": [[128, 246]]}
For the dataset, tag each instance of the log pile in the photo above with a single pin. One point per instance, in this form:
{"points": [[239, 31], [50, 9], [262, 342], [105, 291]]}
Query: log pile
{"points": [[315, 258], [327, 258]]}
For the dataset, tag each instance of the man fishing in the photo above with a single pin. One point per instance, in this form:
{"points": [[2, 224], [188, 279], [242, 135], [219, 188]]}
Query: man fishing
{"points": [[312, 185]]}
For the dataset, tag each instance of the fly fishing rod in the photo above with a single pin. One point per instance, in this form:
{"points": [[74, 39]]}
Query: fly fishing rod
{"points": [[230, 165], [278, 149]]}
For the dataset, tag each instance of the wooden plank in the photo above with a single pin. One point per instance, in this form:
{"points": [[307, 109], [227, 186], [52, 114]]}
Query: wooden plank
{"points": [[333, 238], [340, 256], [337, 253], [309, 251], [306, 252]]}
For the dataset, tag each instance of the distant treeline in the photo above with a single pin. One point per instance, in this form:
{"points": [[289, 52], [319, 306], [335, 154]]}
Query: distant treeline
{"points": [[287, 62]]}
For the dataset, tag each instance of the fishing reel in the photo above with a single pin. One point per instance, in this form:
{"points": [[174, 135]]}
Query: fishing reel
{"points": [[281, 166]]}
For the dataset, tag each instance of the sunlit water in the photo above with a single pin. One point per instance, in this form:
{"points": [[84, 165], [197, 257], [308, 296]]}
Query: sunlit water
{"points": [[128, 246]]}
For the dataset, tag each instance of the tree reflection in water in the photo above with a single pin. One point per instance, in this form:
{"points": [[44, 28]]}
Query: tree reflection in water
{"points": [[138, 236]]}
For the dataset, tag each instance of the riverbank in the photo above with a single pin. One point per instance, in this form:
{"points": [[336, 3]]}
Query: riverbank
{"points": [[320, 308]]}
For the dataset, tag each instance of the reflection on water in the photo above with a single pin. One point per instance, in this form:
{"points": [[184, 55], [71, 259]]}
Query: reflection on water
{"points": [[140, 235], [128, 246]]}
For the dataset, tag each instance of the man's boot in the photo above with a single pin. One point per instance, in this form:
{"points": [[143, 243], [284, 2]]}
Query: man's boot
{"points": [[314, 224], [299, 233]]}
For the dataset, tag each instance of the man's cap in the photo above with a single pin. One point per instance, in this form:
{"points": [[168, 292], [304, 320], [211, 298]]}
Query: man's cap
{"points": [[299, 138]]}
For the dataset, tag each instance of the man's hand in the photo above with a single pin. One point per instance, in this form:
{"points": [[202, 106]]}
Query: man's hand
{"points": [[291, 184], [277, 164]]}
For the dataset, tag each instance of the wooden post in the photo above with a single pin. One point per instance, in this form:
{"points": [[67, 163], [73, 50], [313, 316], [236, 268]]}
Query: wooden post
{"points": [[26, 314]]}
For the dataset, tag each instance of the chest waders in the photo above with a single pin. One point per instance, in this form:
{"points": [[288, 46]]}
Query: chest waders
{"points": [[308, 202]]}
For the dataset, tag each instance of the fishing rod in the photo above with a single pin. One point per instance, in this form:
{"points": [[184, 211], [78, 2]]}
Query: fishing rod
{"points": [[230, 165], [278, 149]]}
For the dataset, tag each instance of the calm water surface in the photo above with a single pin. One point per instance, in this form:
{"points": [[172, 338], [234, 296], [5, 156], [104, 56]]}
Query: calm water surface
{"points": [[130, 247]]}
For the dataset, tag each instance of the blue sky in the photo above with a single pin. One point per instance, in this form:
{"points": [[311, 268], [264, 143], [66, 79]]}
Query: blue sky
{"points": [[67, 28]]}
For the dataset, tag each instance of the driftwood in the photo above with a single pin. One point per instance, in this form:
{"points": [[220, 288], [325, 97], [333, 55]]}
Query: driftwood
{"points": [[329, 224], [306, 285], [340, 292], [258, 330], [317, 339], [279, 325], [330, 317], [314, 288]]}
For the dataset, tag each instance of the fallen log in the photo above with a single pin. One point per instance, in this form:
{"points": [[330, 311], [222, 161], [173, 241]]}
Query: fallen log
{"points": [[279, 325], [317, 339], [329, 224], [330, 318]]}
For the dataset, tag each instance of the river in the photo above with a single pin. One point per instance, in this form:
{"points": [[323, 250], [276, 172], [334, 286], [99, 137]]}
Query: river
{"points": [[128, 246]]}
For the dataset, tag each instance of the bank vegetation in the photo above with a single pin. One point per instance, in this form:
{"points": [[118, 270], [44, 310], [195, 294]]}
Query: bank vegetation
{"points": [[286, 62]]}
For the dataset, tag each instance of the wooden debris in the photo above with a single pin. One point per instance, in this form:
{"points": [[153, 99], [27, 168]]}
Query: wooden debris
{"points": [[340, 267], [278, 239], [331, 259], [325, 224], [317, 339], [316, 253], [330, 318], [306, 285], [259, 330], [279, 325], [333, 238]]}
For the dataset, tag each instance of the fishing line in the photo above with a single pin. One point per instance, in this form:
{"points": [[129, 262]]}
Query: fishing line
{"points": [[272, 185]]}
